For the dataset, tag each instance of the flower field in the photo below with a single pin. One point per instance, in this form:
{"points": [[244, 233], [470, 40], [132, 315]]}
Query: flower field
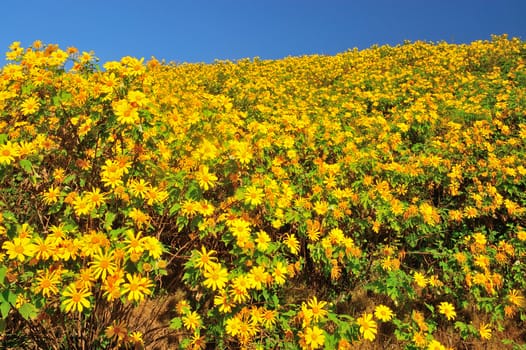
{"points": [[371, 199]]}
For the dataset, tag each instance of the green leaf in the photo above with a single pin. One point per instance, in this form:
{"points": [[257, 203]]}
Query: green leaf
{"points": [[26, 89], [7, 299], [275, 301], [460, 326], [114, 234], [193, 192], [9, 216], [61, 97], [208, 113], [28, 311], [108, 220], [3, 271], [430, 307], [333, 317], [176, 323], [265, 294], [26, 165], [174, 208], [4, 309], [69, 178]]}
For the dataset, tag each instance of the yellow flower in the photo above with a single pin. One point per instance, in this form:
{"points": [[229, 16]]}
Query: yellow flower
{"points": [[233, 326], [137, 287], [46, 283], [419, 339], [485, 331], [134, 66], [420, 279], [482, 261], [112, 180], [447, 309], [292, 243], [336, 236], [262, 240], [205, 208], [247, 327], [461, 258], [429, 214], [152, 245], [82, 206], [69, 249], [383, 313], [205, 179], [182, 307], [317, 310], [368, 327], [155, 195], [103, 264], [95, 197], [138, 188], [19, 248], [239, 295], [435, 282], [313, 230], [470, 212], [30, 105], [510, 311], [256, 314], [242, 152], [134, 243], [92, 242], [435, 345], [269, 319], [216, 277], [242, 282], [258, 277], [136, 338], [8, 152], [52, 195], [239, 227], [137, 98], [279, 273], [516, 298], [203, 259], [20, 301], [139, 217], [192, 320], [189, 208], [222, 301], [44, 248], [321, 207], [84, 279], [314, 337], [117, 330], [125, 112], [253, 195], [75, 299], [480, 238], [111, 286], [198, 342]]}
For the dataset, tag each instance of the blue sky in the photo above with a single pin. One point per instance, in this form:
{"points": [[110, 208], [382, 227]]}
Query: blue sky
{"points": [[201, 31]]}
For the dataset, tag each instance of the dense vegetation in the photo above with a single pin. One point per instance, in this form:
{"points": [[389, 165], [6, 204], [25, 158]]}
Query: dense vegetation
{"points": [[371, 197]]}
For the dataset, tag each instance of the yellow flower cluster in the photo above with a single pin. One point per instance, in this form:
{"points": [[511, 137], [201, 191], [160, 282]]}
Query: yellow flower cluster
{"points": [[394, 170]]}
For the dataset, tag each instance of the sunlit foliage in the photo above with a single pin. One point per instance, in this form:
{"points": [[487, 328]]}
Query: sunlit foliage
{"points": [[277, 193]]}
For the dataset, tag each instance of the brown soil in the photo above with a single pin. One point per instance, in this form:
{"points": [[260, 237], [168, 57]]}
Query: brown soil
{"points": [[153, 317]]}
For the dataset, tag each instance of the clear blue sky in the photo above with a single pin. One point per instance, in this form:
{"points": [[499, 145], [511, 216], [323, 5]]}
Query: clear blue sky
{"points": [[201, 31]]}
